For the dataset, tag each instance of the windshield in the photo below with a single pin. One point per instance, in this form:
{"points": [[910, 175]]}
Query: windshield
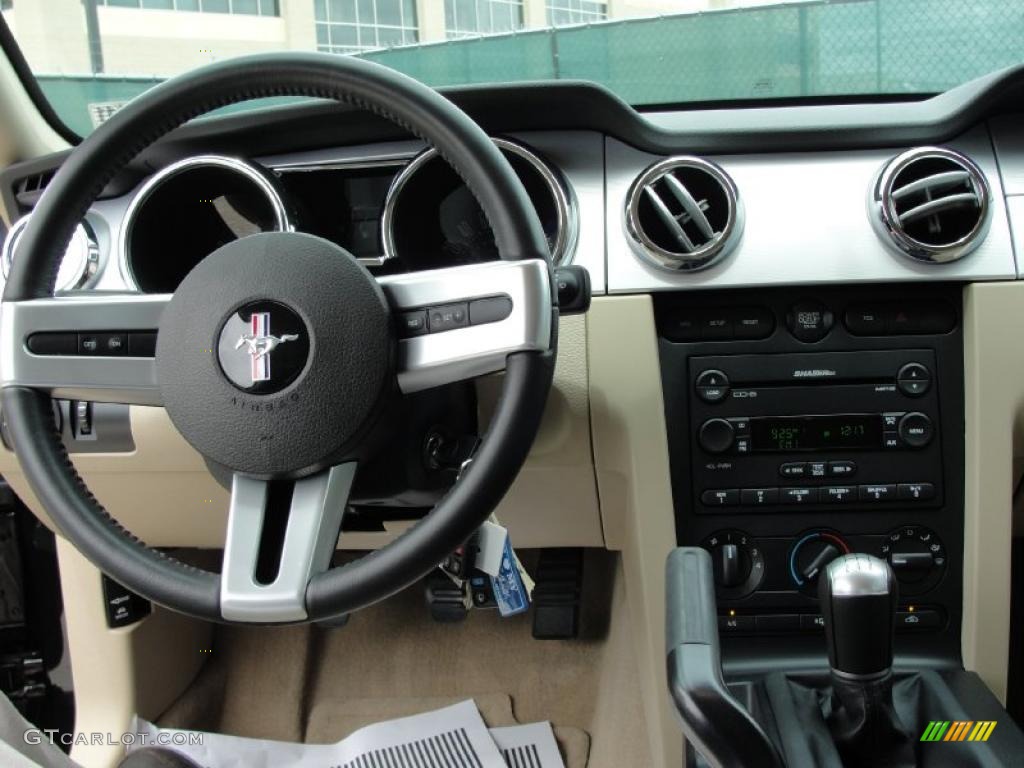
{"points": [[91, 56]]}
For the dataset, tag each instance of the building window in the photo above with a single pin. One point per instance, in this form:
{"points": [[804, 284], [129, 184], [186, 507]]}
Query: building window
{"points": [[350, 26], [242, 7], [561, 12], [469, 18]]}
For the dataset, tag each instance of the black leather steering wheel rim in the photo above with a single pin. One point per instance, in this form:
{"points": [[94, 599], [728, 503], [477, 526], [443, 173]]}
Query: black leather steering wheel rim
{"points": [[426, 114]]}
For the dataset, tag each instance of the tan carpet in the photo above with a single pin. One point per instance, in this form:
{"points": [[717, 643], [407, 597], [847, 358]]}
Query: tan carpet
{"points": [[319, 685]]}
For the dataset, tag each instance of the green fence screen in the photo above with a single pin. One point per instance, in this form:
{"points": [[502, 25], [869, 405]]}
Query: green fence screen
{"points": [[792, 50]]}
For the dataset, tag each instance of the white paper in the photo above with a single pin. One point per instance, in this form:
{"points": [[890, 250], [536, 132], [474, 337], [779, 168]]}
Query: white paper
{"points": [[454, 736], [528, 746]]}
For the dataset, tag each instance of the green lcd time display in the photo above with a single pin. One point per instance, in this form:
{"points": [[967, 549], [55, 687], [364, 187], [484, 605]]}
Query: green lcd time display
{"points": [[816, 433]]}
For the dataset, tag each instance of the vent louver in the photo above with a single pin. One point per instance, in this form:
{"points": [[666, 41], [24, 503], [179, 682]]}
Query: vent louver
{"points": [[932, 204], [28, 189], [683, 213]]}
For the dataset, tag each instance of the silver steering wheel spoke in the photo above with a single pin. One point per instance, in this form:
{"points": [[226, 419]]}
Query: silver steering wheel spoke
{"points": [[451, 346], [27, 326], [310, 537]]}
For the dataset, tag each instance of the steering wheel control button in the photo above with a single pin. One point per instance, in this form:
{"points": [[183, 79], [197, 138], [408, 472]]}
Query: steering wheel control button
{"points": [[413, 323], [263, 347], [448, 317], [809, 321], [915, 491], [490, 310], [916, 430], [913, 379], [725, 497], [793, 469], [48, 343], [142, 344], [712, 386], [88, 344], [716, 435]]}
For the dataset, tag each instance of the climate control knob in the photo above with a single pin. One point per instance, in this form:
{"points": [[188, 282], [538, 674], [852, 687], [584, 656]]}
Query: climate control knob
{"points": [[917, 558], [738, 563], [809, 556], [716, 435]]}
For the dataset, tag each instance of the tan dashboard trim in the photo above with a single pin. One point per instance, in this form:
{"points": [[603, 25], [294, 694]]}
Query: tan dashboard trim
{"points": [[994, 398], [631, 461]]}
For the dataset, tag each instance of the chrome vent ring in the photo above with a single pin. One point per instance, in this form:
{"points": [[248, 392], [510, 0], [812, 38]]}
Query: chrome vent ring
{"points": [[932, 204], [683, 214]]}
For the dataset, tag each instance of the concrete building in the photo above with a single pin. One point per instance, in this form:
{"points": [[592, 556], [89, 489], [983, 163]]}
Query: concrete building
{"points": [[164, 37]]}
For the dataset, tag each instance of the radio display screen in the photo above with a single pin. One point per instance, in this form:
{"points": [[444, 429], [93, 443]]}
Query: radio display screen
{"points": [[816, 433]]}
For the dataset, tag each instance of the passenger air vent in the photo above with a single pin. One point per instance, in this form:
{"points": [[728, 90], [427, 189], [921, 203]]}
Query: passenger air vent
{"points": [[683, 213], [28, 189], [932, 204]]}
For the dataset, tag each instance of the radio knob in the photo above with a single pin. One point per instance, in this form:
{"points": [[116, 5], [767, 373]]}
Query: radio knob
{"points": [[716, 435], [916, 430]]}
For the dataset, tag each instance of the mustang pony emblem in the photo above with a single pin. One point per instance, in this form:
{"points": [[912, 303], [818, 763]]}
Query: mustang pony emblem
{"points": [[259, 343]]}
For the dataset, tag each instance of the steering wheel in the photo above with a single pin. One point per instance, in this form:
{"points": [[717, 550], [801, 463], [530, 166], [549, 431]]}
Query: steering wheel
{"points": [[278, 354]]}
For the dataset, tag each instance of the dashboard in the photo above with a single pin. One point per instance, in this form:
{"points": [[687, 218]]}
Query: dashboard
{"points": [[804, 267]]}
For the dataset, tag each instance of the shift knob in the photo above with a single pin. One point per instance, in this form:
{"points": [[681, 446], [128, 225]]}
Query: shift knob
{"points": [[858, 603]]}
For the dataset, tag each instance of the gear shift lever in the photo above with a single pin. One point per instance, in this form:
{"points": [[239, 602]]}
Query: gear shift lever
{"points": [[858, 602]]}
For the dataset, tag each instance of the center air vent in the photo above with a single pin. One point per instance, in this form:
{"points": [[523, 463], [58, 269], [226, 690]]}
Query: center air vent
{"points": [[683, 213], [932, 204]]}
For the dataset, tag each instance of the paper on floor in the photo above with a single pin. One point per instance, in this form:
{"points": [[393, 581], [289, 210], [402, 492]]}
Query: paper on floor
{"points": [[454, 736], [528, 746]]}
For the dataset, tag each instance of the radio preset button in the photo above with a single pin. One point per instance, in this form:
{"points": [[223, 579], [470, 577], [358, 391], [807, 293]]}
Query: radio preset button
{"points": [[716, 436], [837, 494], [842, 468], [916, 430], [886, 492], [916, 491], [712, 386], [793, 469], [723, 497], [798, 495], [759, 497]]}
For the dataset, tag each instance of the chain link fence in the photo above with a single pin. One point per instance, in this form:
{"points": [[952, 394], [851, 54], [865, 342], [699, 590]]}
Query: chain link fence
{"points": [[793, 50], [798, 49]]}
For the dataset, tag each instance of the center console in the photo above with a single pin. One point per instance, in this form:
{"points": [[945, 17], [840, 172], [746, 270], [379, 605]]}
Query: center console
{"points": [[805, 424]]}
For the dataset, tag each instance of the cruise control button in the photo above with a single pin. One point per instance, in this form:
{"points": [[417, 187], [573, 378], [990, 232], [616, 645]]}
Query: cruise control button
{"points": [[759, 496], [916, 491], [837, 494], [142, 344], [793, 469], [798, 495], [413, 323], [113, 344], [489, 310], [842, 468], [725, 497], [885, 492], [447, 317], [53, 343]]}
